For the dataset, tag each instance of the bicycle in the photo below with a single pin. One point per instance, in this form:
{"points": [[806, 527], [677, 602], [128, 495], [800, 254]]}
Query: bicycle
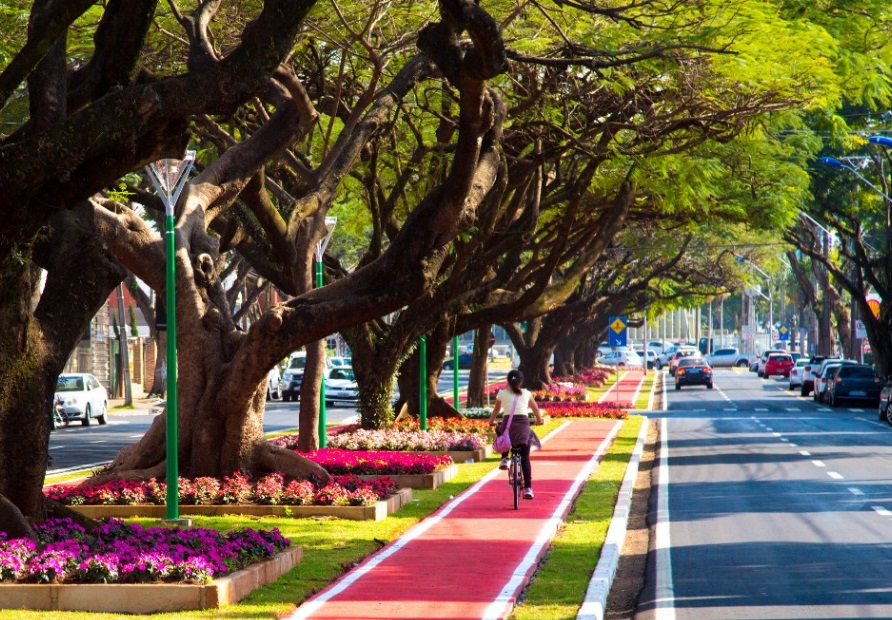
{"points": [[515, 477]]}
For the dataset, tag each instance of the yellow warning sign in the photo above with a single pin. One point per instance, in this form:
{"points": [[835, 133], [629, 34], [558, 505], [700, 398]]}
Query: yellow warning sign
{"points": [[618, 325]]}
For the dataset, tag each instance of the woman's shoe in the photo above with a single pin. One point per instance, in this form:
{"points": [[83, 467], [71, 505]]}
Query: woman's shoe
{"points": [[528, 493], [503, 464]]}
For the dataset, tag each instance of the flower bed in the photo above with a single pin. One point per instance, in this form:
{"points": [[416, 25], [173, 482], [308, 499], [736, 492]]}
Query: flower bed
{"points": [[236, 489], [583, 410], [117, 552], [404, 440], [377, 462], [477, 413], [462, 425], [551, 392]]}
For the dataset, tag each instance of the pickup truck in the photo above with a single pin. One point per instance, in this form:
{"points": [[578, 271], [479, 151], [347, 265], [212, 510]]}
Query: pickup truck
{"points": [[729, 357]]}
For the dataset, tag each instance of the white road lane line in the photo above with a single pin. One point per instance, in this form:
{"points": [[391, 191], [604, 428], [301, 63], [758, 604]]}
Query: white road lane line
{"points": [[881, 511], [855, 491], [819, 463], [805, 453], [665, 589], [835, 475]]}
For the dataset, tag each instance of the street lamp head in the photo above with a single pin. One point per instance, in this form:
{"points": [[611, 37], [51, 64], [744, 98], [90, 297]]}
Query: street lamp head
{"points": [[831, 161], [883, 140]]}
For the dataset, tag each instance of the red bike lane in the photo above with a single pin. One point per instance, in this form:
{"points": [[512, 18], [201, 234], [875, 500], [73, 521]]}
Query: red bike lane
{"points": [[471, 558]]}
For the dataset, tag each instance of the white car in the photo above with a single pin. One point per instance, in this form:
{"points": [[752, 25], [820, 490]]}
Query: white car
{"points": [[621, 358], [83, 398], [341, 387], [651, 357], [337, 362], [274, 384], [797, 371]]}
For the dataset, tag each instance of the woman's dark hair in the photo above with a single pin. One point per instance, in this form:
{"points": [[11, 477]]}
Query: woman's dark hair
{"points": [[515, 380]]}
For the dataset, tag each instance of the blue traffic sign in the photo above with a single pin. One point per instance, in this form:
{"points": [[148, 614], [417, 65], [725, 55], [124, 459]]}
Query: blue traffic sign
{"points": [[783, 333], [617, 331]]}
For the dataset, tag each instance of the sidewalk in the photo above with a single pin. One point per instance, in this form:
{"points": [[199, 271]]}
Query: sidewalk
{"points": [[472, 557]]}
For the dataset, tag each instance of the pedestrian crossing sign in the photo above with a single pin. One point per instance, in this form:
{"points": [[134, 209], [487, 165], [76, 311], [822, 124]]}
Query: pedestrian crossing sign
{"points": [[617, 330]]}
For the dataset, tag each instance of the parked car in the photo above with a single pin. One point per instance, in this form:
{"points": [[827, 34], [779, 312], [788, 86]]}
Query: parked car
{"points": [[854, 382], [464, 361], [83, 398], [763, 359], [294, 376], [796, 373], [621, 358], [341, 387], [809, 372], [680, 353], [778, 364], [822, 380], [728, 357], [274, 384], [693, 370], [884, 408], [651, 357]]}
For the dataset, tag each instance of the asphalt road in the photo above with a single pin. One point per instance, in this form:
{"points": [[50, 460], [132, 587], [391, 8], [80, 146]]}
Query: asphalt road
{"points": [[769, 505], [77, 446]]}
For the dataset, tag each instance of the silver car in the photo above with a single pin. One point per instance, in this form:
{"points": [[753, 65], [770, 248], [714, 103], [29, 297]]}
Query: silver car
{"points": [[796, 372], [83, 398]]}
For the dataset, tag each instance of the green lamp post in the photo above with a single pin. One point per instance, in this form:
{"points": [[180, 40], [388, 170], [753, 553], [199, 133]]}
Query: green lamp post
{"points": [[169, 177]]}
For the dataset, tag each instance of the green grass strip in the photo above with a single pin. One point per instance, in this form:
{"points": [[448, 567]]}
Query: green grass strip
{"points": [[558, 589]]}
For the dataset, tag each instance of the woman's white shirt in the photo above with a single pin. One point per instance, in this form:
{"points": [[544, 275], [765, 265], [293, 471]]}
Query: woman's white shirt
{"points": [[506, 396]]}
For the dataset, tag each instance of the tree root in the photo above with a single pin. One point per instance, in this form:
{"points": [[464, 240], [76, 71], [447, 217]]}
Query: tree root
{"points": [[13, 522], [271, 458]]}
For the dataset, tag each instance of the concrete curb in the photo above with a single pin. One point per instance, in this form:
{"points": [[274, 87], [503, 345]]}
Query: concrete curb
{"points": [[594, 606]]}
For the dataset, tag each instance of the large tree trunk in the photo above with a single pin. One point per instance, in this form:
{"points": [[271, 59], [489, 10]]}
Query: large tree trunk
{"points": [[478, 377]]}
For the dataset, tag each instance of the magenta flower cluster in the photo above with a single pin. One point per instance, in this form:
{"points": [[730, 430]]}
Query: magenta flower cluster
{"points": [[238, 488], [117, 552], [371, 462]]}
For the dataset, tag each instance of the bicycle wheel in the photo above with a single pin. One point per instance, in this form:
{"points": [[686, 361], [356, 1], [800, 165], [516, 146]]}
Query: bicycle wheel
{"points": [[516, 481]]}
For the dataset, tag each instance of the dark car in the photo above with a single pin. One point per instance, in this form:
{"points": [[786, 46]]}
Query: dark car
{"points": [[778, 364], [884, 408], [693, 370], [464, 361], [853, 382]]}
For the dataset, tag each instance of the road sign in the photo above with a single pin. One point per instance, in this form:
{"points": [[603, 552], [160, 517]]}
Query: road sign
{"points": [[783, 333], [617, 330], [860, 330]]}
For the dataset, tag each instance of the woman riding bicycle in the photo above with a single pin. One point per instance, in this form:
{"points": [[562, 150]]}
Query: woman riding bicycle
{"points": [[522, 436]]}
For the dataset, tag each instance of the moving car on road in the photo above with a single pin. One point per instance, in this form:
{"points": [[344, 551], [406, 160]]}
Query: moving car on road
{"points": [[693, 370], [760, 368], [778, 364], [83, 398], [681, 353]]}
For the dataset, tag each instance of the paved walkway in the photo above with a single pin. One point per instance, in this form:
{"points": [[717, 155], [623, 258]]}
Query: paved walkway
{"points": [[472, 557]]}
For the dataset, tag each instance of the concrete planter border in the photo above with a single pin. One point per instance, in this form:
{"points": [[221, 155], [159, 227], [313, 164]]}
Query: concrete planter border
{"points": [[467, 456], [419, 481], [375, 512], [147, 598]]}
